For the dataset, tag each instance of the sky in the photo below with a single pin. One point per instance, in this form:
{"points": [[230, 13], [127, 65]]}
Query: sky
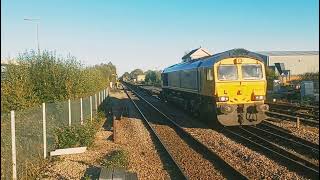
{"points": [[154, 34]]}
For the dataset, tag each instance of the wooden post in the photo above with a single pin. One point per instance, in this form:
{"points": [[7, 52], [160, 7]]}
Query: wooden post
{"points": [[81, 112], [298, 123], [44, 130], [91, 108], [13, 146], [69, 104]]}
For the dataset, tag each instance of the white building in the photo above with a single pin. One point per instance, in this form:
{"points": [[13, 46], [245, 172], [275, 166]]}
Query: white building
{"points": [[196, 54], [141, 77], [297, 62]]}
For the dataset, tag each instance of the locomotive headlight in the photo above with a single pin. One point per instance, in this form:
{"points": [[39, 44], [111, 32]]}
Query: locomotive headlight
{"points": [[258, 98], [223, 98]]}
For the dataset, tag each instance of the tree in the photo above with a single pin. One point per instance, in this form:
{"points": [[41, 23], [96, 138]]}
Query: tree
{"points": [[153, 77], [271, 76], [135, 73], [125, 76]]}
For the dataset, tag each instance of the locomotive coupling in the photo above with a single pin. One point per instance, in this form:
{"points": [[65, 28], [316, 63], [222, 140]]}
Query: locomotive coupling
{"points": [[226, 109], [263, 108]]}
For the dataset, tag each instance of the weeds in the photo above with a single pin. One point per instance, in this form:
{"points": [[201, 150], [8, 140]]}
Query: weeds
{"points": [[116, 159]]}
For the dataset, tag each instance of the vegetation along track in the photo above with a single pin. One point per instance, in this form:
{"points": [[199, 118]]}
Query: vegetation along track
{"points": [[193, 157], [259, 138]]}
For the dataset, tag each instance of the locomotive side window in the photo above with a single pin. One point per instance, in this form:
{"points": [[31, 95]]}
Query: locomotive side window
{"points": [[227, 72], [251, 71], [209, 75]]}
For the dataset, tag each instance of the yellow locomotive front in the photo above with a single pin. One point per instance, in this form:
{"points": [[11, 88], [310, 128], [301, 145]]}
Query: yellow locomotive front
{"points": [[240, 90]]}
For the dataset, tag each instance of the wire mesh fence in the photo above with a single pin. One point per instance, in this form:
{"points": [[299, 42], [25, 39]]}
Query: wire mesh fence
{"points": [[6, 160], [30, 134], [29, 140], [86, 109], [57, 116], [75, 112]]}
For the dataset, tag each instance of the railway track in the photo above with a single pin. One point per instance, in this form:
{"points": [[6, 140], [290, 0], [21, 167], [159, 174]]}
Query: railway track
{"points": [[192, 157], [307, 146], [298, 110], [296, 145], [298, 154], [260, 140], [310, 122]]}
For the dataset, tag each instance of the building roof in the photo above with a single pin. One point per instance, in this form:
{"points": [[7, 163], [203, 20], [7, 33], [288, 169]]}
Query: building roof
{"points": [[288, 53], [195, 50]]}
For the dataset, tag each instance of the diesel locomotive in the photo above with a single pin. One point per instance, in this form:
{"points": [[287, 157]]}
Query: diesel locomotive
{"points": [[228, 87]]}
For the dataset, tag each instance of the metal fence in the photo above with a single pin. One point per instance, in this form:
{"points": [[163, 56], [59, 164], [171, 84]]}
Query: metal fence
{"points": [[27, 136]]}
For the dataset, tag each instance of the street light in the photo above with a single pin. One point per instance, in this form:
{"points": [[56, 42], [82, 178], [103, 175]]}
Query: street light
{"points": [[37, 23]]}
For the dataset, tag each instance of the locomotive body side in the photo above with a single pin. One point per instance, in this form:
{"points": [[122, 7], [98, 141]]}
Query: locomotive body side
{"points": [[228, 88]]}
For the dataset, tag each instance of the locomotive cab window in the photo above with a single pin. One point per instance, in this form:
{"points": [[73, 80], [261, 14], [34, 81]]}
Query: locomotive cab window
{"points": [[227, 72], [209, 75], [251, 71]]}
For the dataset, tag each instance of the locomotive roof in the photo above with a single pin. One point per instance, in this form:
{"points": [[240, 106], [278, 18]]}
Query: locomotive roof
{"points": [[209, 61]]}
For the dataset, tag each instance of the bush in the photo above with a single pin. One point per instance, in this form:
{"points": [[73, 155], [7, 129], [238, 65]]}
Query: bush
{"points": [[48, 78], [78, 136], [116, 159]]}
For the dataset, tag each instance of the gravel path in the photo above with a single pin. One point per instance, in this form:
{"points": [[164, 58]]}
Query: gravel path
{"points": [[306, 132], [251, 163]]}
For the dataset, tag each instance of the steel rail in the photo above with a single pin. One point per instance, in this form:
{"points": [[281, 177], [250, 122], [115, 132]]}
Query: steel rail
{"points": [[286, 139], [152, 130], [294, 138], [300, 165], [227, 170], [311, 116], [293, 117]]}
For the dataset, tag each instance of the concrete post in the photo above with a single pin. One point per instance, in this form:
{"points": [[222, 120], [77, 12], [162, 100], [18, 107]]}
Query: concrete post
{"points": [[44, 127], [81, 112], [69, 106], [13, 146], [91, 108]]}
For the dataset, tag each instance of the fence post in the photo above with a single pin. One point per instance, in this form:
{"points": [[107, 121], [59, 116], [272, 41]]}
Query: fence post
{"points": [[44, 130], [69, 106], [99, 98], [13, 146], [91, 108], [95, 96], [81, 112]]}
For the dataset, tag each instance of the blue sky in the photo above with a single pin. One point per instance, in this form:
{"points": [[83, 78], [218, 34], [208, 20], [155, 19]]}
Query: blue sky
{"points": [[155, 34]]}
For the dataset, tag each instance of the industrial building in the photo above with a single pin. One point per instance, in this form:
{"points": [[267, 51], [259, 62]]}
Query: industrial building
{"points": [[292, 62]]}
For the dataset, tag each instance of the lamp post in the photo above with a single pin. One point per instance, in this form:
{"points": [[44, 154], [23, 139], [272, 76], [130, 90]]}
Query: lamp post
{"points": [[37, 23]]}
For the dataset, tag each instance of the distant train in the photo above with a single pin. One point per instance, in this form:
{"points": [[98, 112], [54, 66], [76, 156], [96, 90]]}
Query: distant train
{"points": [[229, 87]]}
